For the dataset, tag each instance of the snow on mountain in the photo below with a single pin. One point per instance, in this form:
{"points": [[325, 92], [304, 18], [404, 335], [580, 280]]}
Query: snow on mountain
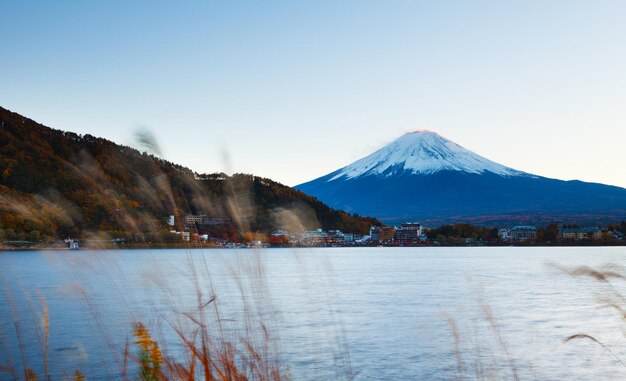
{"points": [[422, 152]]}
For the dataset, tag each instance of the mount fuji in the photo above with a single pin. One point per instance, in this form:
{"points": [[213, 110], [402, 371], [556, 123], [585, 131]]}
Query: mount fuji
{"points": [[424, 176]]}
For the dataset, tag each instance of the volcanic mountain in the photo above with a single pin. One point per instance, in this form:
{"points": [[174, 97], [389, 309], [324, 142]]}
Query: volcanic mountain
{"points": [[424, 176]]}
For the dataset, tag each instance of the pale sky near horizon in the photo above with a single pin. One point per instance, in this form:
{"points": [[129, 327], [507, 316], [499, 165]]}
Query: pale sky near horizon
{"points": [[294, 90]]}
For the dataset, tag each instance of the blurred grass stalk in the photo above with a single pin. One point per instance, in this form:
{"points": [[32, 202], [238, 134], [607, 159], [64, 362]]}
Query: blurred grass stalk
{"points": [[484, 354], [210, 352], [610, 297], [200, 348]]}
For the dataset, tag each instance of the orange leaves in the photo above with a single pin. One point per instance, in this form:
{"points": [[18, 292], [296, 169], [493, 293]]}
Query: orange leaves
{"points": [[150, 356]]}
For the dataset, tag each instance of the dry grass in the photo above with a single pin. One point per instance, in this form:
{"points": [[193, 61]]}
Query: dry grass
{"points": [[610, 296], [207, 356], [192, 344], [482, 354], [204, 349], [494, 361], [207, 350]]}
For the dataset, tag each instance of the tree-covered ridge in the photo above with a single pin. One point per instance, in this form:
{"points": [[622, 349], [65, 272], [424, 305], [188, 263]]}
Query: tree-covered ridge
{"points": [[60, 184]]}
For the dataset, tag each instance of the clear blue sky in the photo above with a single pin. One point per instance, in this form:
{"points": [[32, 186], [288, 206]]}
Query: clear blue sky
{"points": [[293, 90]]}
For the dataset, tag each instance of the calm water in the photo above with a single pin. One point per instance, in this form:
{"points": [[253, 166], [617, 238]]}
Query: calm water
{"points": [[381, 313]]}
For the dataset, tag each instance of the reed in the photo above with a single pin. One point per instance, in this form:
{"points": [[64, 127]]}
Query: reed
{"points": [[201, 348], [612, 278], [481, 353]]}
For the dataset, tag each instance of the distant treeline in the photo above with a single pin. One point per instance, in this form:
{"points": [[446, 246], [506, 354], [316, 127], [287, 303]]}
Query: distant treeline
{"points": [[460, 233]]}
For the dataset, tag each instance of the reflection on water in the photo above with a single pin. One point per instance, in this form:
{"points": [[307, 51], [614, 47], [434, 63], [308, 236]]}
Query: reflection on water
{"points": [[371, 313]]}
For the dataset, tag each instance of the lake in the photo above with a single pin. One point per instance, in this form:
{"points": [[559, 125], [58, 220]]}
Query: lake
{"points": [[367, 313]]}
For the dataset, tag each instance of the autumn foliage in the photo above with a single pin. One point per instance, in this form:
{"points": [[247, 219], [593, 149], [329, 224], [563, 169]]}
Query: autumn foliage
{"points": [[56, 184]]}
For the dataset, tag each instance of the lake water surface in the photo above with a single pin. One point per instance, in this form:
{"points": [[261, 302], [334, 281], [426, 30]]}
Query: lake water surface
{"points": [[374, 313]]}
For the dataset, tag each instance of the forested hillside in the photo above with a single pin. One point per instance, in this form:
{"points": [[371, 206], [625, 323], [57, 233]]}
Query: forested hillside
{"points": [[55, 184]]}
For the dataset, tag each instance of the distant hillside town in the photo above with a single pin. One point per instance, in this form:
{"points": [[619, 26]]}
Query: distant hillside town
{"points": [[205, 229]]}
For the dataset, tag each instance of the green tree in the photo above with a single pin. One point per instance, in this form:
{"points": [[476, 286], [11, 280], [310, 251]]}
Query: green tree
{"points": [[441, 239], [34, 236], [9, 234], [551, 233]]}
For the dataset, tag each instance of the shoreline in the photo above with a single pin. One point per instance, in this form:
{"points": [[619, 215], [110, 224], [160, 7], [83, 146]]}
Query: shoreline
{"points": [[196, 247]]}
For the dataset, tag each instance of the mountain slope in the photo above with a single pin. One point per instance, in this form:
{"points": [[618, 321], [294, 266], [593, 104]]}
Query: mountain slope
{"points": [[64, 184], [424, 176]]}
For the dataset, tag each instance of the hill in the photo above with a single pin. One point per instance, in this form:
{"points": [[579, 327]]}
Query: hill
{"points": [[426, 177], [55, 184]]}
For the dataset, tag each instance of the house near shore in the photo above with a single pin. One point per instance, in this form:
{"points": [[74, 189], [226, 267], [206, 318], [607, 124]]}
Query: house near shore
{"points": [[523, 233], [387, 234], [184, 235], [577, 234], [504, 234], [314, 237], [374, 233], [518, 233], [409, 231]]}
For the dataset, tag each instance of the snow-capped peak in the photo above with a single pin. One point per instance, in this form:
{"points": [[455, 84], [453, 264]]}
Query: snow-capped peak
{"points": [[422, 152]]}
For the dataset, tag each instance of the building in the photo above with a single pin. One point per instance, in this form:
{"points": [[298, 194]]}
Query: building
{"points": [[504, 234], [374, 233], [192, 219], [409, 231], [386, 234], [577, 234], [315, 236], [335, 236], [203, 219], [185, 236], [523, 233]]}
